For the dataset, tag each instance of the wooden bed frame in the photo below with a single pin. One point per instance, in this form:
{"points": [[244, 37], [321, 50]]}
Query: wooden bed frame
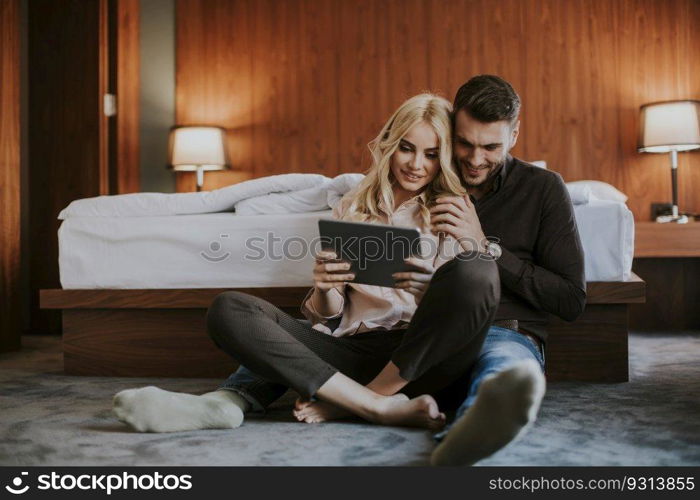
{"points": [[161, 332]]}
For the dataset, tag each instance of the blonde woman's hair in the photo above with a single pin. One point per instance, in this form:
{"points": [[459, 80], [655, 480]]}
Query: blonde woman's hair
{"points": [[377, 184]]}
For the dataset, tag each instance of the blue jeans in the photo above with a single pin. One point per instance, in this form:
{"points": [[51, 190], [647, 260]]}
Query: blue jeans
{"points": [[501, 349], [257, 391]]}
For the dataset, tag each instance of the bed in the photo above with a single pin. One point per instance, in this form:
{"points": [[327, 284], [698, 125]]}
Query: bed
{"points": [[136, 289]]}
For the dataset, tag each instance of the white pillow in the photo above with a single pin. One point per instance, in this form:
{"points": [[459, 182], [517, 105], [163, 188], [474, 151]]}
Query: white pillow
{"points": [[601, 190], [539, 163], [308, 200]]}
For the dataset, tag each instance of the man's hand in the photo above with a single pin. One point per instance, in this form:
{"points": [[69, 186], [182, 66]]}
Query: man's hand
{"points": [[331, 272], [415, 282], [456, 216]]}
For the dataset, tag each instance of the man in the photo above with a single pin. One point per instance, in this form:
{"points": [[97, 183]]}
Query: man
{"points": [[528, 218], [527, 215]]}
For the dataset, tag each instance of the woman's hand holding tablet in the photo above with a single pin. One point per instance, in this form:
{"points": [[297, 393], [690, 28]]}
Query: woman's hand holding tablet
{"points": [[330, 271], [416, 281]]}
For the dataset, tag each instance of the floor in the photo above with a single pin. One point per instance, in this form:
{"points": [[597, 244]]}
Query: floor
{"points": [[49, 418]]}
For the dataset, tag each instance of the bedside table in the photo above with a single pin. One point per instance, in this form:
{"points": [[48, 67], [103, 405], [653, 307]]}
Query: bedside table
{"points": [[666, 240], [667, 257]]}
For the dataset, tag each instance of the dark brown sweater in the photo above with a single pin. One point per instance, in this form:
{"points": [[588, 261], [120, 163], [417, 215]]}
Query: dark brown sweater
{"points": [[529, 213]]}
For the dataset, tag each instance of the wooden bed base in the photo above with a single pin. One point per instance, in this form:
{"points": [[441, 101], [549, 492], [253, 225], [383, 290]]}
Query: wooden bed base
{"points": [[161, 332]]}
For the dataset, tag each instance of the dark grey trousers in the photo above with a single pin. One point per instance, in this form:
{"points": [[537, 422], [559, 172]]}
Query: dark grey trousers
{"points": [[440, 344]]}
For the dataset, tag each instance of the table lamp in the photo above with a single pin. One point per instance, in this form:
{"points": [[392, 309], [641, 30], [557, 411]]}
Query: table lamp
{"points": [[198, 149], [670, 127]]}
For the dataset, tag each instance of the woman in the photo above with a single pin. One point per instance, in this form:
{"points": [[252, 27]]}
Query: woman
{"points": [[389, 343], [416, 139]]}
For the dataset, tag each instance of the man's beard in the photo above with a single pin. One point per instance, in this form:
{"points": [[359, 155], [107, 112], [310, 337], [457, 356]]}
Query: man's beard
{"points": [[492, 167]]}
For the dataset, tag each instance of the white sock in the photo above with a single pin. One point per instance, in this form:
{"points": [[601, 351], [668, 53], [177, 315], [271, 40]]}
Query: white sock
{"points": [[150, 409], [231, 397], [505, 406]]}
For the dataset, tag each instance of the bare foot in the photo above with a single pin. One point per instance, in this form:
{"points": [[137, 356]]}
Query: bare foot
{"points": [[421, 411], [300, 403], [314, 412]]}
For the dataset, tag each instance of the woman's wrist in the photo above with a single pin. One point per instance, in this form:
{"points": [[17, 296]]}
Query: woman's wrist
{"points": [[324, 293], [322, 301]]}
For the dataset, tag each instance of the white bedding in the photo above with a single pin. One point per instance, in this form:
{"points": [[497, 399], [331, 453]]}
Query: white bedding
{"points": [[275, 194], [607, 234], [181, 251], [218, 200]]}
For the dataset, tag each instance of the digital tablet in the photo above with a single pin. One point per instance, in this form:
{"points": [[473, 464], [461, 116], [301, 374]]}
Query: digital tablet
{"points": [[375, 251]]}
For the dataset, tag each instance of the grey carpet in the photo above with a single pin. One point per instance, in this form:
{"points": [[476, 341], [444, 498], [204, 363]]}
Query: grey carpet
{"points": [[48, 418]]}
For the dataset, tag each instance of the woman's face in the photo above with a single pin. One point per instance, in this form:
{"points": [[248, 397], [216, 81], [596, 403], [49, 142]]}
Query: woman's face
{"points": [[416, 161]]}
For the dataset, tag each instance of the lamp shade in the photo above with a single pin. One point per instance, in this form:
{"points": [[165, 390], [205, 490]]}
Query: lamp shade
{"points": [[193, 148], [669, 126]]}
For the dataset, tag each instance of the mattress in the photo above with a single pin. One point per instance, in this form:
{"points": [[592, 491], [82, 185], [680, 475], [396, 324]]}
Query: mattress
{"points": [[225, 250], [218, 250], [607, 234]]}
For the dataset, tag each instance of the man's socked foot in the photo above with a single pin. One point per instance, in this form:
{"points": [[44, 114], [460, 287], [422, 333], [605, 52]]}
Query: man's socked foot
{"points": [[150, 409], [421, 411], [505, 406]]}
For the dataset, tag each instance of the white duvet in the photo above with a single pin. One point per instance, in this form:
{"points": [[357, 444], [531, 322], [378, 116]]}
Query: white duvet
{"points": [[286, 193], [277, 194]]}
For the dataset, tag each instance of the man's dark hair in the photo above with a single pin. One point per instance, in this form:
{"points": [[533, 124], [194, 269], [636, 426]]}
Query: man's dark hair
{"points": [[488, 98]]}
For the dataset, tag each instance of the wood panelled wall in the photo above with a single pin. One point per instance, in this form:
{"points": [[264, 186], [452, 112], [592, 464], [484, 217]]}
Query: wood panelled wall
{"points": [[304, 85], [124, 74], [9, 175]]}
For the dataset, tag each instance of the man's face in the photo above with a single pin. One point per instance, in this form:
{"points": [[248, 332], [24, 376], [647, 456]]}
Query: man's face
{"points": [[481, 148]]}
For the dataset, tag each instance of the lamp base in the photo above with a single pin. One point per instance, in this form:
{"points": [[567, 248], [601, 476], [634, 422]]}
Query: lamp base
{"points": [[678, 219]]}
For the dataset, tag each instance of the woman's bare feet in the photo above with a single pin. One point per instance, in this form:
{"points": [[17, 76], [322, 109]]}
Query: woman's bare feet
{"points": [[390, 410], [314, 412], [362, 401], [421, 411]]}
